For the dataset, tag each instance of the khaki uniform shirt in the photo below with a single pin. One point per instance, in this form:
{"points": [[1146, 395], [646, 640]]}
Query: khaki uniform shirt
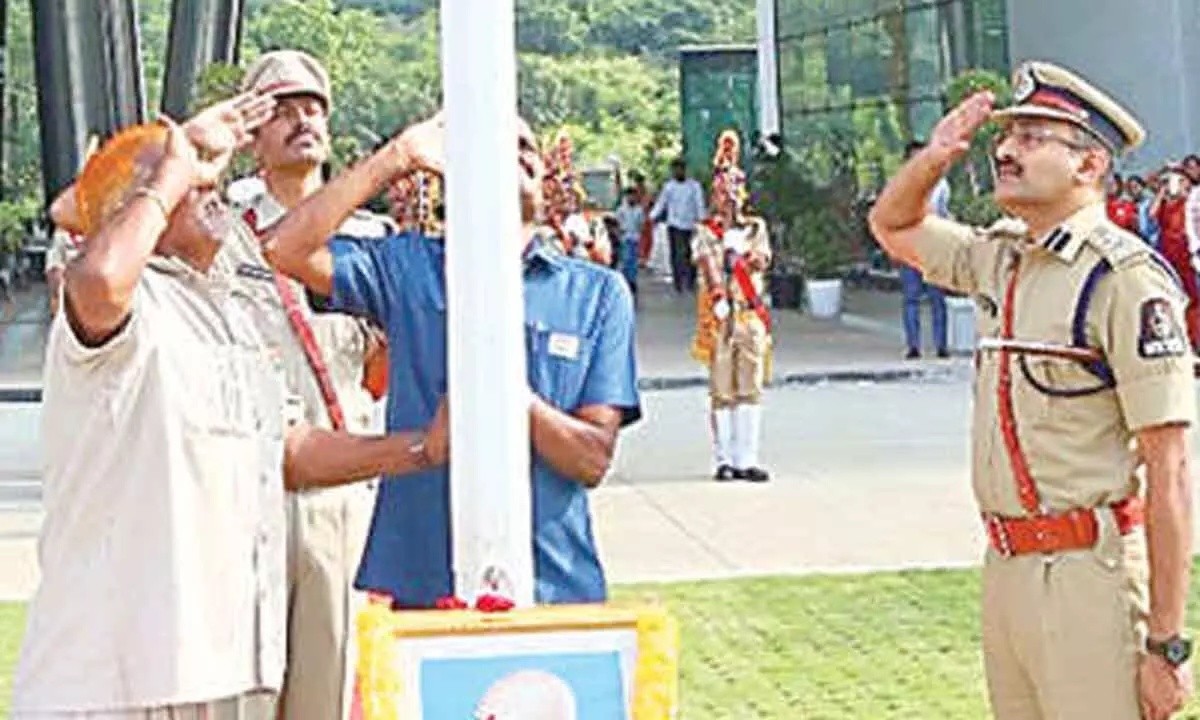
{"points": [[342, 339], [750, 237], [162, 550], [1078, 449]]}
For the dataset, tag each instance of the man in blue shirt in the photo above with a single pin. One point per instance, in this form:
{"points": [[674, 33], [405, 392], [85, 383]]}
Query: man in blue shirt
{"points": [[579, 329]]}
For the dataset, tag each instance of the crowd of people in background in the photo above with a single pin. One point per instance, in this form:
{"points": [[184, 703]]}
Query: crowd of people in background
{"points": [[1163, 208]]}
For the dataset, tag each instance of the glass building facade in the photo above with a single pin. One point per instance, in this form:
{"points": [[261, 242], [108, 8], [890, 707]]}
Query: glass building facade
{"points": [[874, 73]]}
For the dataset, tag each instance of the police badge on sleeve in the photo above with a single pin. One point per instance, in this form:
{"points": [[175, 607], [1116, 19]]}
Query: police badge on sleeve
{"points": [[1160, 335]]}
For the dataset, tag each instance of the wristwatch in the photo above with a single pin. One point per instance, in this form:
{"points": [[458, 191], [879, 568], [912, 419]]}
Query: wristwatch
{"points": [[1176, 650]]}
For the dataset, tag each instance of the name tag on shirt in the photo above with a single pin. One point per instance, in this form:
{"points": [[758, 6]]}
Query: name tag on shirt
{"points": [[255, 272], [293, 411], [564, 346]]}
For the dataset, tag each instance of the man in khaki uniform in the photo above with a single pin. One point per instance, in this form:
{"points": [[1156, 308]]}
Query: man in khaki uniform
{"points": [[1083, 398], [325, 357], [731, 250], [169, 439]]}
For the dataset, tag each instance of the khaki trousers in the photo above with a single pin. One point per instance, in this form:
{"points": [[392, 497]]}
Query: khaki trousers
{"points": [[1062, 633], [326, 533], [736, 374]]}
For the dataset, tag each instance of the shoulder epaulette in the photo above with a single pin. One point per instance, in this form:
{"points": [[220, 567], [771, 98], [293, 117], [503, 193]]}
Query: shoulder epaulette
{"points": [[1007, 227], [1118, 247]]}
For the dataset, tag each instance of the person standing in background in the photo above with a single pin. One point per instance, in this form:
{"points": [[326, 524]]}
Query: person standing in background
{"points": [[645, 200], [1121, 208], [916, 289], [631, 217], [1170, 210], [1142, 199], [681, 206]]}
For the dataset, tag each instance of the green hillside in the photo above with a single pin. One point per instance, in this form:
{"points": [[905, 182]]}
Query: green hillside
{"points": [[604, 69]]}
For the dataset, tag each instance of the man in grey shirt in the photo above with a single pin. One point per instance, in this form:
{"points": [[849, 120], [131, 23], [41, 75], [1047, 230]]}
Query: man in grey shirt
{"points": [[681, 206]]}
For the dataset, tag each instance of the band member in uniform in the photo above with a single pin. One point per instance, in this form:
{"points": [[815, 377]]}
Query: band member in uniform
{"points": [[416, 204], [1083, 398], [336, 364], [575, 233], [556, 185], [731, 251]]}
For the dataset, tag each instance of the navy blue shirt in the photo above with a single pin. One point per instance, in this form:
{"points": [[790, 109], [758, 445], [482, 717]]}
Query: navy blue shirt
{"points": [[580, 337]]}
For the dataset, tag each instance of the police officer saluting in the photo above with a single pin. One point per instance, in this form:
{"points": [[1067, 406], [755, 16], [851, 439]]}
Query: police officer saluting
{"points": [[1080, 453]]}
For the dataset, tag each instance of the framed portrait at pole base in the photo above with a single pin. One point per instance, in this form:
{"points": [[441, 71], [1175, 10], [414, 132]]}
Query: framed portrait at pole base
{"points": [[548, 663]]}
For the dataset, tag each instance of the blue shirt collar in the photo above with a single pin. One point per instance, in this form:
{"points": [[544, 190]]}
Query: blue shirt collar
{"points": [[538, 253]]}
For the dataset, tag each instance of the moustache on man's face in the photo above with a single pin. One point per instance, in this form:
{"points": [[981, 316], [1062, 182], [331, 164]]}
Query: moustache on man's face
{"points": [[301, 131], [1007, 167]]}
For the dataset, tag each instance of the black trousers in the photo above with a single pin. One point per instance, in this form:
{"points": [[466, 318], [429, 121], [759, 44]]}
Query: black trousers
{"points": [[683, 273]]}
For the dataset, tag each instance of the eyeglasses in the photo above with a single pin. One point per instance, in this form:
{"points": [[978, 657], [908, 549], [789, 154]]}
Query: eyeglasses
{"points": [[1027, 139]]}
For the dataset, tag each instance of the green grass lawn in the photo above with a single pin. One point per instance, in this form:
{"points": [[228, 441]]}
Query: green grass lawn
{"points": [[12, 624], [881, 646], [887, 645]]}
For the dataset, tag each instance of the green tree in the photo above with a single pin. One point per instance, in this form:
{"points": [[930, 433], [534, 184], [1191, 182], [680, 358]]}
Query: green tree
{"points": [[970, 181], [23, 174], [606, 70], [550, 27], [383, 70]]}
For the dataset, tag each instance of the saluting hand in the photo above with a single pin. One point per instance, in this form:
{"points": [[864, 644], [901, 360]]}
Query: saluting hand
{"points": [[421, 147], [222, 129], [952, 137]]}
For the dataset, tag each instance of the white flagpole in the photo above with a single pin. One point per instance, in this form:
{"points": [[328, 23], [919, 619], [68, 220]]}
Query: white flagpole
{"points": [[489, 420], [768, 69]]}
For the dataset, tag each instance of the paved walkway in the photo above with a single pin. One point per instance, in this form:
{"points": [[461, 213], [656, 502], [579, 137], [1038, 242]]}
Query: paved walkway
{"points": [[865, 343], [22, 337]]}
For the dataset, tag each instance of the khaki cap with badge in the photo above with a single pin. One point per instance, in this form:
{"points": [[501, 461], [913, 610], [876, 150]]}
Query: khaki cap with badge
{"points": [[1045, 90], [288, 72]]}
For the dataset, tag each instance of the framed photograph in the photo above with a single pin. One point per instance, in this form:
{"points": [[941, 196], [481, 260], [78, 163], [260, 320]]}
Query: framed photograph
{"points": [[542, 664]]}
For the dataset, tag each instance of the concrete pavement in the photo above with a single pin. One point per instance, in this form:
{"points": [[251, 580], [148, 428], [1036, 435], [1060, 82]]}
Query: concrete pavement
{"points": [[866, 477], [841, 499], [22, 338], [864, 344]]}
